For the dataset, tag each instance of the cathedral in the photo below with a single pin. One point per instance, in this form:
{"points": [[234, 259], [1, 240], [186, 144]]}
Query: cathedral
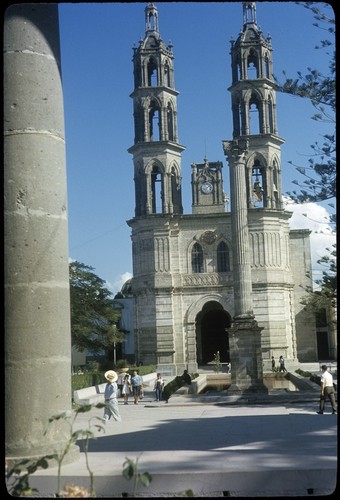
{"points": [[197, 275]]}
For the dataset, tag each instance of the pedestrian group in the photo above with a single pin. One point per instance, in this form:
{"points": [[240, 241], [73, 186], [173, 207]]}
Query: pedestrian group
{"points": [[134, 385]]}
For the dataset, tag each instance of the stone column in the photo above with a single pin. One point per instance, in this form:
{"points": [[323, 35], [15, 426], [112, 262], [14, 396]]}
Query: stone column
{"points": [[240, 234], [37, 304], [244, 333]]}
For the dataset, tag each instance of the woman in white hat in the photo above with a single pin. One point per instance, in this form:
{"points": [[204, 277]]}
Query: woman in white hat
{"points": [[110, 394]]}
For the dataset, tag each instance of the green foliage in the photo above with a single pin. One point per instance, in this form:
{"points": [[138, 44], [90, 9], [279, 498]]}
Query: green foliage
{"points": [[130, 471], [94, 366], [87, 380], [143, 370], [311, 376], [94, 319], [172, 387], [326, 296], [74, 436], [320, 174], [18, 475], [122, 363]]}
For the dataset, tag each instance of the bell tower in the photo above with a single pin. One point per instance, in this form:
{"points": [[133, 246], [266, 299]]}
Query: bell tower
{"points": [[257, 215], [254, 112], [156, 151]]}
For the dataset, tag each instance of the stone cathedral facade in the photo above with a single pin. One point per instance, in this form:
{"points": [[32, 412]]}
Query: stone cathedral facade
{"points": [[185, 271]]}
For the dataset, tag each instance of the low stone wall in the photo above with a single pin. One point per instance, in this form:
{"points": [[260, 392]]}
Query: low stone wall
{"points": [[95, 393], [277, 380], [210, 379], [90, 395]]}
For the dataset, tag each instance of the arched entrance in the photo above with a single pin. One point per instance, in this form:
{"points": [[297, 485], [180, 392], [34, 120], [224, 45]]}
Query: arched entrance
{"points": [[211, 335]]}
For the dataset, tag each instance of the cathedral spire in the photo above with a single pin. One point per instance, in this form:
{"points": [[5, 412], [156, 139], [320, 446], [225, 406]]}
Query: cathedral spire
{"points": [[156, 150], [151, 18], [249, 13]]}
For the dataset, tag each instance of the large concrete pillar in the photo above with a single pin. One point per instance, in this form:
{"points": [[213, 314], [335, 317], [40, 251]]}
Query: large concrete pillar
{"points": [[240, 235], [37, 309], [244, 333]]}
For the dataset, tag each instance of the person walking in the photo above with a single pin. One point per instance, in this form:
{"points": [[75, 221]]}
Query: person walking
{"points": [[137, 386], [282, 364], [273, 364], [126, 388], [110, 395], [327, 390], [159, 385], [120, 382]]}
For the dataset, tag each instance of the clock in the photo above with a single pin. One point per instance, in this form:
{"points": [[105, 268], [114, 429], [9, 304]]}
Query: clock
{"points": [[206, 187]]}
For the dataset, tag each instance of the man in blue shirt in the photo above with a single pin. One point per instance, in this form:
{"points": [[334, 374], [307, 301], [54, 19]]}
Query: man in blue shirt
{"points": [[137, 386]]}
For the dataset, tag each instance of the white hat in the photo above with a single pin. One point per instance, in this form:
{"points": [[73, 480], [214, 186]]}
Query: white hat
{"points": [[111, 376]]}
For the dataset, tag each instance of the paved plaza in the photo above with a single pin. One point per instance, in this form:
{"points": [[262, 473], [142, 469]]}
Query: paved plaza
{"points": [[215, 446]]}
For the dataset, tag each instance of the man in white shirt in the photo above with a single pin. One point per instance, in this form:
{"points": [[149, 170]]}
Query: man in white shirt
{"points": [[327, 389]]}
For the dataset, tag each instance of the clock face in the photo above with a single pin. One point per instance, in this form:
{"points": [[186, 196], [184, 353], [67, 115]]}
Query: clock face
{"points": [[206, 187]]}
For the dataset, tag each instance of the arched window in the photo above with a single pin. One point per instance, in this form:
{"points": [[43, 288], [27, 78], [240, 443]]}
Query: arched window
{"points": [[175, 191], [170, 122], [197, 258], [253, 65], [157, 190], [154, 123], [255, 115], [238, 70], [223, 263], [152, 73], [258, 185], [276, 181], [271, 115], [266, 64], [167, 75]]}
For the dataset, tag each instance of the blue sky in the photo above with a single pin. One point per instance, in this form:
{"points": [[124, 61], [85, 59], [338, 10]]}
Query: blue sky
{"points": [[97, 72]]}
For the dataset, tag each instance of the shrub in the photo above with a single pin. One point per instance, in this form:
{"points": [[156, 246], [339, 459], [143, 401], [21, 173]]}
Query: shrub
{"points": [[143, 369], [93, 366], [87, 380], [312, 377], [172, 387], [122, 363]]}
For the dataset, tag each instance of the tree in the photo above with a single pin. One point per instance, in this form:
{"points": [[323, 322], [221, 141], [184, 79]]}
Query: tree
{"points": [[320, 173], [93, 317], [325, 297]]}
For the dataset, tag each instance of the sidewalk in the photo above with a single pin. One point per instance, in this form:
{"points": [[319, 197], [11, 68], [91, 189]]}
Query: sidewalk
{"points": [[215, 446]]}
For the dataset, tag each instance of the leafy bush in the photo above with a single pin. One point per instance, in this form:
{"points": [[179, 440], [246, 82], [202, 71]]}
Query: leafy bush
{"points": [[143, 369], [93, 366], [172, 387], [175, 384], [311, 376], [122, 363], [87, 380]]}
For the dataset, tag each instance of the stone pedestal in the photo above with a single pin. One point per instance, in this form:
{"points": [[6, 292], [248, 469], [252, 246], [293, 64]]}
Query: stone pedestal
{"points": [[246, 357]]}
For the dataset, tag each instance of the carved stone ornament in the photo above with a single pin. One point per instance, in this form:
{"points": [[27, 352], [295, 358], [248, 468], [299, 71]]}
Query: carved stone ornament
{"points": [[208, 237]]}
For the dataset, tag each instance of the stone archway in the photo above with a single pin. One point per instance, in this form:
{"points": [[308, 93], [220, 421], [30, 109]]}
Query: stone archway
{"points": [[211, 335]]}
